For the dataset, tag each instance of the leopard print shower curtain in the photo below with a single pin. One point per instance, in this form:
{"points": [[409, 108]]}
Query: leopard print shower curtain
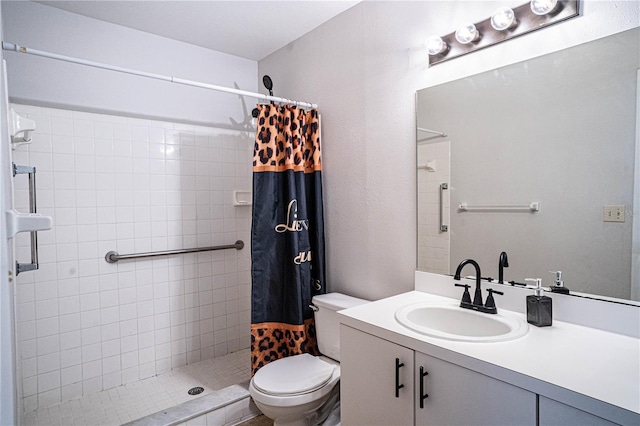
{"points": [[287, 233]]}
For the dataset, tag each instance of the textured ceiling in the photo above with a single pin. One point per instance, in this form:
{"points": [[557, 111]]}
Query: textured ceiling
{"points": [[249, 29]]}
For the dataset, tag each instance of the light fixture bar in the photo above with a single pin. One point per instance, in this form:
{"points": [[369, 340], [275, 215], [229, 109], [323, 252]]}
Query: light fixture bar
{"points": [[527, 21]]}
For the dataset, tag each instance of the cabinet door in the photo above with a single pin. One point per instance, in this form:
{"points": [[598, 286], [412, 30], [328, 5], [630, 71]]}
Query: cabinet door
{"points": [[458, 396], [556, 413], [373, 389]]}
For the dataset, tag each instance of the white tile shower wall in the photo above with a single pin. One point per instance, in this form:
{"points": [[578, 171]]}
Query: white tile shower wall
{"points": [[130, 185], [433, 245]]}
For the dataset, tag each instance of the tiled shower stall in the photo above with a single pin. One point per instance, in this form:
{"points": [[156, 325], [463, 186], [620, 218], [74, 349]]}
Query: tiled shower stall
{"points": [[130, 185]]}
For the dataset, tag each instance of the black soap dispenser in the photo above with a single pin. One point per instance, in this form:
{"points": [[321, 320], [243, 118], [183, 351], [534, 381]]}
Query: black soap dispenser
{"points": [[539, 308]]}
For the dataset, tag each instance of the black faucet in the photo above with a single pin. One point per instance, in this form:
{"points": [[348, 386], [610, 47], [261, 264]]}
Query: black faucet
{"points": [[477, 304], [477, 297], [503, 263]]}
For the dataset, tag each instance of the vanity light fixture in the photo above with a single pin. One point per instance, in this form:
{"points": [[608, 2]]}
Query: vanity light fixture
{"points": [[504, 24], [543, 7], [503, 19], [435, 45], [467, 33]]}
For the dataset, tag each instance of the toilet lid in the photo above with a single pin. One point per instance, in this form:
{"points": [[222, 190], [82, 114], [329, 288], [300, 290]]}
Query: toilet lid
{"points": [[293, 375]]}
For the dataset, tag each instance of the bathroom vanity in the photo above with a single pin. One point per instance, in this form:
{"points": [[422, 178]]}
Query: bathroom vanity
{"points": [[566, 374]]}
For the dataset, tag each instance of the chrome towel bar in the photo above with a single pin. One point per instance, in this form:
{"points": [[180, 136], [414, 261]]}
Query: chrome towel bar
{"points": [[113, 256], [533, 206], [435, 132]]}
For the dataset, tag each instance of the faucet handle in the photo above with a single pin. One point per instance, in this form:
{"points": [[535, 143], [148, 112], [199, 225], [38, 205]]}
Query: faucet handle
{"points": [[490, 303], [466, 297]]}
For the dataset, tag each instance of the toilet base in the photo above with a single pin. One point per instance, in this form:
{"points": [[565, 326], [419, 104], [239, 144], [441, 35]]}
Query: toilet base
{"points": [[310, 414]]}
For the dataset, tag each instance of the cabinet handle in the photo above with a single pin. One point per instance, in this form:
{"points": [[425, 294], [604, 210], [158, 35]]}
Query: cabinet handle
{"points": [[423, 395], [398, 385]]}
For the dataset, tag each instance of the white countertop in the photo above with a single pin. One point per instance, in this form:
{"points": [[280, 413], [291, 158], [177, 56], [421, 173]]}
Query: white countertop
{"points": [[593, 370]]}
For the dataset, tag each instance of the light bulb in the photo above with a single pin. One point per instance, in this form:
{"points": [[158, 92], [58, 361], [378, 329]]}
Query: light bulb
{"points": [[542, 7], [503, 19], [435, 45], [466, 34]]}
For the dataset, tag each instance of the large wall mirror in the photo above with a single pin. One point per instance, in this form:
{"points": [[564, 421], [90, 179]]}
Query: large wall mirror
{"points": [[557, 130]]}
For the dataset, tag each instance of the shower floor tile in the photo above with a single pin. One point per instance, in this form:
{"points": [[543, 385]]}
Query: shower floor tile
{"points": [[135, 400]]}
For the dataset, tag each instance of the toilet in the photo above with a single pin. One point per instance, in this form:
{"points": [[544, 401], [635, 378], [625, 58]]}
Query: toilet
{"points": [[304, 389]]}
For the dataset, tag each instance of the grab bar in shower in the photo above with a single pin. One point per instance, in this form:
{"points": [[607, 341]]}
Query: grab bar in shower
{"points": [[443, 227], [31, 222], [113, 256]]}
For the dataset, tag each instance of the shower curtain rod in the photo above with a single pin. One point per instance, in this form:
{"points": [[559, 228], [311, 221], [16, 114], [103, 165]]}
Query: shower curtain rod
{"points": [[21, 49]]}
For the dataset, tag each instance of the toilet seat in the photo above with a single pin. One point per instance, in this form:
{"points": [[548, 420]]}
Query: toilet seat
{"points": [[295, 375]]}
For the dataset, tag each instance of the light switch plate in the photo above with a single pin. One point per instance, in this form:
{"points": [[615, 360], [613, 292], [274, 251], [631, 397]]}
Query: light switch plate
{"points": [[614, 213]]}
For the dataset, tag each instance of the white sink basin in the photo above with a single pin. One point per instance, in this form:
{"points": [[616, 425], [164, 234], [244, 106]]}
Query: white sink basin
{"points": [[447, 320]]}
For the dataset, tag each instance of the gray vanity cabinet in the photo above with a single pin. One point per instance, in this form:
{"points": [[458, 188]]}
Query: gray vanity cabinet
{"points": [[460, 396], [381, 385], [369, 377], [554, 413]]}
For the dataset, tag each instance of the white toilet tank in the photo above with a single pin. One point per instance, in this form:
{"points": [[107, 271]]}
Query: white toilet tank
{"points": [[328, 321]]}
